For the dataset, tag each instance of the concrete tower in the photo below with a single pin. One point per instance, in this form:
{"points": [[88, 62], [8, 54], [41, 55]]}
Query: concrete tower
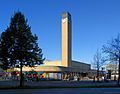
{"points": [[66, 39]]}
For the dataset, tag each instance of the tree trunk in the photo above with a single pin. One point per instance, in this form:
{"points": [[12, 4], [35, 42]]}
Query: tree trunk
{"points": [[115, 75], [115, 71], [21, 75], [119, 73], [97, 75]]}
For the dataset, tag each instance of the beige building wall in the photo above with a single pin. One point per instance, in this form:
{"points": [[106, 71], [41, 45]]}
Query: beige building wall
{"points": [[82, 67], [66, 39], [52, 63]]}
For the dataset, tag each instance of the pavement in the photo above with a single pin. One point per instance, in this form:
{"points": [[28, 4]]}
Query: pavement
{"points": [[55, 84]]}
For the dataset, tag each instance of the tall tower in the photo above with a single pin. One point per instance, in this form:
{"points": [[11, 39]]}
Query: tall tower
{"points": [[66, 39]]}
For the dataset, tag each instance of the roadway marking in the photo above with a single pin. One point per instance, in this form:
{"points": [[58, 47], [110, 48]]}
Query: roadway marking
{"points": [[112, 92]]}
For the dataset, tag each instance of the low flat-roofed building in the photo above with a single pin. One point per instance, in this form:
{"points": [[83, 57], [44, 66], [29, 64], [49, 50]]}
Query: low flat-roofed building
{"points": [[55, 69]]}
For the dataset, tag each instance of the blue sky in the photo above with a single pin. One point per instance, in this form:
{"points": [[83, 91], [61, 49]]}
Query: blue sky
{"points": [[94, 22]]}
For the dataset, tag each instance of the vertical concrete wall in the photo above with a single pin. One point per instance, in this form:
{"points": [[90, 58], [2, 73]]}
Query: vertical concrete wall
{"points": [[66, 39]]}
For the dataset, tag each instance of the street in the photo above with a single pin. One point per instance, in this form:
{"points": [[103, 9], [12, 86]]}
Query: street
{"points": [[63, 91]]}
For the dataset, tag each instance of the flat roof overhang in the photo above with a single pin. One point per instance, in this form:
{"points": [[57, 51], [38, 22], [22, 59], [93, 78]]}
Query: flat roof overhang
{"points": [[53, 69], [57, 69]]}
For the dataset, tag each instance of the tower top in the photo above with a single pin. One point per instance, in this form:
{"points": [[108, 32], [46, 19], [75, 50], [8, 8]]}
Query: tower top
{"points": [[66, 15]]}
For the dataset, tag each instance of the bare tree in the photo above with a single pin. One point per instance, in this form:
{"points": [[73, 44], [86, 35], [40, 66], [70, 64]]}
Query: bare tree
{"points": [[113, 66], [112, 49], [98, 62]]}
